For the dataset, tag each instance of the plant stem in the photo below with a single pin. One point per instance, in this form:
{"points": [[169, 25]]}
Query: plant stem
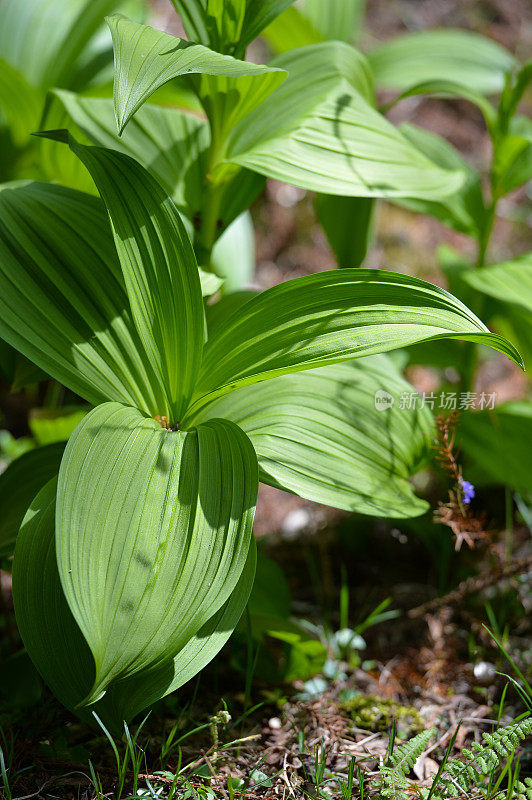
{"points": [[206, 233], [471, 354]]}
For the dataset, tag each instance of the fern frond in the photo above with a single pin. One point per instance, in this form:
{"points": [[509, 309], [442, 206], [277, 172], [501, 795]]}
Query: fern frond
{"points": [[524, 790], [405, 756], [481, 760], [392, 782]]}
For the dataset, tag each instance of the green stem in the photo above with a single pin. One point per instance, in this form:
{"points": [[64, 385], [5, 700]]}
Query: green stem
{"points": [[471, 349], [206, 233]]}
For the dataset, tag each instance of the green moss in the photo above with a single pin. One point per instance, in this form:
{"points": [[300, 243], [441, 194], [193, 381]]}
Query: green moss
{"points": [[372, 713]]}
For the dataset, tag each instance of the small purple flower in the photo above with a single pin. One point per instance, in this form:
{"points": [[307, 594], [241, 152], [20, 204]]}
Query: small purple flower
{"points": [[468, 491]]}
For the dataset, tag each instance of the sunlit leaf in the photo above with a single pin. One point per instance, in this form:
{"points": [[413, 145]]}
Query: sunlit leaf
{"points": [[63, 302], [159, 267], [146, 59], [172, 145], [328, 318], [320, 131], [336, 435], [60, 652], [154, 538]]}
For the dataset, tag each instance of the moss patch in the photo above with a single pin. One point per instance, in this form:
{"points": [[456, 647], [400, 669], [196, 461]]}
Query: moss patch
{"points": [[372, 713]]}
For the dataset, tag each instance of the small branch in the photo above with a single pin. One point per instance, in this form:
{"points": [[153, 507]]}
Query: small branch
{"points": [[473, 585]]}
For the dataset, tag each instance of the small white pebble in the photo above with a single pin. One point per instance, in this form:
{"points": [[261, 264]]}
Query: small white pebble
{"points": [[274, 723], [484, 672], [296, 522]]}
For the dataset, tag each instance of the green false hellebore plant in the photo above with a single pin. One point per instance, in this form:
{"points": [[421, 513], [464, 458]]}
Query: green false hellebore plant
{"points": [[133, 566]]}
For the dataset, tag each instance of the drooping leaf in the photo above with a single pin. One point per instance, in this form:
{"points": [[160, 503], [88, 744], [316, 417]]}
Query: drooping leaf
{"points": [[159, 268], [464, 209], [452, 55], [172, 145], [60, 652], [227, 26], [62, 298], [153, 540], [320, 131], [328, 318], [496, 445], [19, 484], [336, 435], [347, 225], [146, 59]]}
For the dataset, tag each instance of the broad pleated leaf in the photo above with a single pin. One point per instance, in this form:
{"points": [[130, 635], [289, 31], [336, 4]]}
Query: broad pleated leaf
{"points": [[146, 59], [62, 298], [332, 317], [508, 282], [452, 55], [347, 222], [322, 434], [19, 484], [464, 209], [227, 25], [496, 445], [153, 531], [46, 625], [320, 131], [44, 39], [58, 649], [172, 145], [159, 267], [135, 694]]}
